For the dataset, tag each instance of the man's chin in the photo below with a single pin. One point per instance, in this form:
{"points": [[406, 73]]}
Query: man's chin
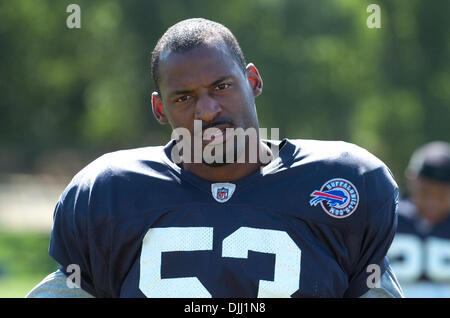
{"points": [[215, 164]]}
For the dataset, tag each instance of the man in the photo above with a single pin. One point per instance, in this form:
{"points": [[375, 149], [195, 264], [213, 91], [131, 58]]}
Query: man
{"points": [[421, 248], [264, 218]]}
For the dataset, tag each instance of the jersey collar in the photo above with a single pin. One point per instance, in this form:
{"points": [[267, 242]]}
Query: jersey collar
{"points": [[285, 156]]}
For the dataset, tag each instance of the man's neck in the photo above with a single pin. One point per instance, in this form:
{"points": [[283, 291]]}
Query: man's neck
{"points": [[229, 172]]}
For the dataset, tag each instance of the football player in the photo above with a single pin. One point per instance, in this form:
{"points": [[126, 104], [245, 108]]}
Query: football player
{"points": [[316, 220], [420, 251]]}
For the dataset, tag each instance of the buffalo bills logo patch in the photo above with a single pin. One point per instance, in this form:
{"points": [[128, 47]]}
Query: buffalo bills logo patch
{"points": [[338, 197]]}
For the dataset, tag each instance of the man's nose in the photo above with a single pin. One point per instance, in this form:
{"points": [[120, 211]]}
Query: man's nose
{"points": [[207, 108]]}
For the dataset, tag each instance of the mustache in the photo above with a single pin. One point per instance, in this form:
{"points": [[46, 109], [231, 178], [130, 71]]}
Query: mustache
{"points": [[216, 123]]}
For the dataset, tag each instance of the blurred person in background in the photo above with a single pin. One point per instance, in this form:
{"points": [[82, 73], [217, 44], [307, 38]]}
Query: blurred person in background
{"points": [[420, 252]]}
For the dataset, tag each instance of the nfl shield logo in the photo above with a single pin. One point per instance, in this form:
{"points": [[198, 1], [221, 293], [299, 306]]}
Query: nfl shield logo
{"points": [[222, 192]]}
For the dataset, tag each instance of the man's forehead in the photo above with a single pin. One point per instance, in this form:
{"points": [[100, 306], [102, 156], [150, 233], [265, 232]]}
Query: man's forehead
{"points": [[205, 62], [432, 184]]}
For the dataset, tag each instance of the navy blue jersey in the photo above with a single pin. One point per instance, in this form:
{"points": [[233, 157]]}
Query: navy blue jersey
{"points": [[306, 225], [420, 254]]}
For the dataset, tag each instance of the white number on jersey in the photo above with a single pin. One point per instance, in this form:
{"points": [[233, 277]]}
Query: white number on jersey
{"points": [[236, 245], [430, 256]]}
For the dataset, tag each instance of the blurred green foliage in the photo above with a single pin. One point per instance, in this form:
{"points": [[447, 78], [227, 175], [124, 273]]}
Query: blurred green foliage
{"points": [[25, 254], [24, 262], [326, 74]]}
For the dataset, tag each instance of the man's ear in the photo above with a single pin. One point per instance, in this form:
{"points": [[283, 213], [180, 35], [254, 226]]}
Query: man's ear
{"points": [[255, 80], [158, 110]]}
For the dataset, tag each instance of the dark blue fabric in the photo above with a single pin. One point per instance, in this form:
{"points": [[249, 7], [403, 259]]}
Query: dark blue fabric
{"points": [[107, 209]]}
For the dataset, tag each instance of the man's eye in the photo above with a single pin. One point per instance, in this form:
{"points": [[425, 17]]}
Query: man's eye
{"points": [[183, 98], [222, 86]]}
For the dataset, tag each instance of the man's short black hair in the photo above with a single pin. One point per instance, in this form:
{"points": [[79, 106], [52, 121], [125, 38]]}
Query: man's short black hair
{"points": [[191, 33]]}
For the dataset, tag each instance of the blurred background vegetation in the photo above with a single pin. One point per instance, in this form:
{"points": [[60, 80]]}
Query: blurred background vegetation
{"points": [[70, 95]]}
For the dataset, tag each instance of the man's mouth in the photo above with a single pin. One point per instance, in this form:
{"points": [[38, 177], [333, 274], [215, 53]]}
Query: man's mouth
{"points": [[215, 135]]}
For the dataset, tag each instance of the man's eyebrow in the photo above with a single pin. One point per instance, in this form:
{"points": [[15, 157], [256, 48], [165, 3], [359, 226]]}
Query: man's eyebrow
{"points": [[221, 79], [183, 92]]}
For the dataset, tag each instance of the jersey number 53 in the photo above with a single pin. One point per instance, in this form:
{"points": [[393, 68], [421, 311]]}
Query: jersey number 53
{"points": [[236, 245]]}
